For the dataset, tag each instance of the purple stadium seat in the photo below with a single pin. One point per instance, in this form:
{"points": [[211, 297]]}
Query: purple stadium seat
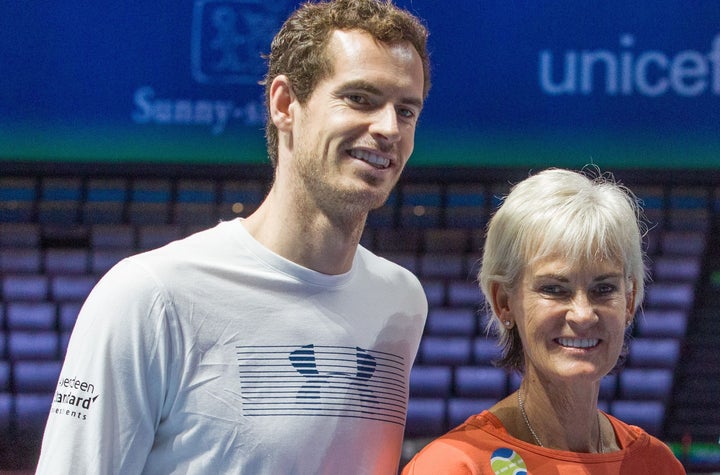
{"points": [[445, 241], [670, 295], [425, 417], [152, 236], [480, 382], [112, 236], [466, 206], [66, 261], [661, 323], [608, 387], [31, 316], [419, 216], [105, 201], [464, 293], [436, 350], [23, 345], [19, 235], [4, 376], [60, 201], [24, 287], [20, 260], [430, 381], [204, 215], [196, 191], [17, 198], [68, 314], [32, 409], [102, 260], [442, 265], [72, 287], [459, 409], [6, 404], [485, 350], [514, 381], [421, 206], [450, 321], [654, 353], [240, 198], [36, 376], [149, 201], [435, 290], [646, 414], [683, 243], [642, 383], [676, 268]]}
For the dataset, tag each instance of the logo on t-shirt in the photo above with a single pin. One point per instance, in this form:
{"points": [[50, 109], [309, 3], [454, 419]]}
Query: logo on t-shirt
{"points": [[507, 462], [316, 380], [73, 398]]}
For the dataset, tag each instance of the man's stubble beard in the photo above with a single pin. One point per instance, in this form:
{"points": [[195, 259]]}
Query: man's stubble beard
{"points": [[345, 207]]}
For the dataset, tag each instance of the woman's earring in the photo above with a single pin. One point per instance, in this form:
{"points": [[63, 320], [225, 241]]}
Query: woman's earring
{"points": [[508, 324]]}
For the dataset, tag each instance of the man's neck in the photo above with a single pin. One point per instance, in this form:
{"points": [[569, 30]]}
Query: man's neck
{"points": [[308, 238]]}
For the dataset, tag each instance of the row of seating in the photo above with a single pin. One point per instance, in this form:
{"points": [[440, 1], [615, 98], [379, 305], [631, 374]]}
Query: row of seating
{"points": [[200, 190], [430, 416], [463, 321], [187, 201], [391, 241], [644, 352], [482, 381], [59, 235]]}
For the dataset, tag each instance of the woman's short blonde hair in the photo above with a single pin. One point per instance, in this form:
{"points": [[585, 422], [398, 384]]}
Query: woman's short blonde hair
{"points": [[583, 216]]}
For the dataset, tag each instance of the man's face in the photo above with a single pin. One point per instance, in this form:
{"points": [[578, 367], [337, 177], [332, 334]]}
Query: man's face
{"points": [[354, 135]]}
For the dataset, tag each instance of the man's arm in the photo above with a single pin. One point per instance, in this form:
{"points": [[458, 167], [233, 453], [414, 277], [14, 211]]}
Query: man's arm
{"points": [[108, 401]]}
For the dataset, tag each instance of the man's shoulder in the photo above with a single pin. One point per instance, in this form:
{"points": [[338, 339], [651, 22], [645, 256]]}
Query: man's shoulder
{"points": [[386, 264]]}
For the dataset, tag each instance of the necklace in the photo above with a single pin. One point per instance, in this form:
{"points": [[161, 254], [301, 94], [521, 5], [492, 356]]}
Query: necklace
{"points": [[521, 404]]}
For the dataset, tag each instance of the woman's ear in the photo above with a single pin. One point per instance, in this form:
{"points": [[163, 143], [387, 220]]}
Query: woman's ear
{"points": [[500, 301], [281, 98], [630, 302]]}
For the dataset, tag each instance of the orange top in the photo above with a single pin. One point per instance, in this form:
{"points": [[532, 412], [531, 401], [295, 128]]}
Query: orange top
{"points": [[481, 445]]}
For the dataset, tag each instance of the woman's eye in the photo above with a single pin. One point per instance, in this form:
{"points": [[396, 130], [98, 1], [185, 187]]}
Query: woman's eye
{"points": [[552, 290], [605, 289]]}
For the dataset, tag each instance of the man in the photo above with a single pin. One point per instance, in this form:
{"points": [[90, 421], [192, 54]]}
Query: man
{"points": [[273, 344]]}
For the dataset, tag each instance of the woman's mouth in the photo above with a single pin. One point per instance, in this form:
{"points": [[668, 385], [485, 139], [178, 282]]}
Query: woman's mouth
{"points": [[577, 342]]}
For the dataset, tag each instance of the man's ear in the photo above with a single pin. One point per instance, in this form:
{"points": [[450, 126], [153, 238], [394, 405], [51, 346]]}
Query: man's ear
{"points": [[281, 99]]}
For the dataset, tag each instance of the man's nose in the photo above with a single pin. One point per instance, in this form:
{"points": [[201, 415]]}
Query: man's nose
{"points": [[385, 123]]}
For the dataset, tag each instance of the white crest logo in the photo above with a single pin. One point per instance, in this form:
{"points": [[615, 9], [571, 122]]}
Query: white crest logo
{"points": [[228, 37]]}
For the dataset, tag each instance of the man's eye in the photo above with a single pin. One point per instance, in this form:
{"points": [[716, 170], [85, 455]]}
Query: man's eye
{"points": [[357, 99], [406, 113]]}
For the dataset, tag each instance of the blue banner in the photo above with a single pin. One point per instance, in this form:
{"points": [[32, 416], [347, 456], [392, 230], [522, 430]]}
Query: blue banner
{"points": [[514, 83]]}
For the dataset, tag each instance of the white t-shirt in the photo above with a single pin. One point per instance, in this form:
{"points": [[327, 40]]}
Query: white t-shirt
{"points": [[215, 355]]}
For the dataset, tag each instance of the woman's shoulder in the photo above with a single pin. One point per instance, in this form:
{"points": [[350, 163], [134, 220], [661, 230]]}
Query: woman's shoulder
{"points": [[459, 450], [635, 439]]}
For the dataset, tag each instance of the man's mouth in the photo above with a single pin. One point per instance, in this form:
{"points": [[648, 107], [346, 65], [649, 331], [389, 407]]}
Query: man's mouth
{"points": [[373, 159], [577, 342]]}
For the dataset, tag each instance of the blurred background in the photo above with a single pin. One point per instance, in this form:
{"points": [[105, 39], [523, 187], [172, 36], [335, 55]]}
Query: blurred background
{"points": [[126, 125]]}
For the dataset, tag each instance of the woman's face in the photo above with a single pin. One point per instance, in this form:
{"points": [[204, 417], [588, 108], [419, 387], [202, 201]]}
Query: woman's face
{"points": [[571, 318]]}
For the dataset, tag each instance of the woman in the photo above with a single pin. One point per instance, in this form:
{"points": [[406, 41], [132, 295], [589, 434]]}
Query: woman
{"points": [[563, 273]]}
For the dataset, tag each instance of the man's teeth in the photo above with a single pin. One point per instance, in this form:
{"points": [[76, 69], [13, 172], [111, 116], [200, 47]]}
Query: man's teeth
{"points": [[578, 342], [371, 158]]}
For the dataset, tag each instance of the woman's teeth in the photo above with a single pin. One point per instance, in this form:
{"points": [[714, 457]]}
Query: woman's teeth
{"points": [[578, 342]]}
